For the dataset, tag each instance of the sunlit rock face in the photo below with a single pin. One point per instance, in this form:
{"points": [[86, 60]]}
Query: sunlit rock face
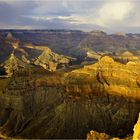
{"points": [[50, 60], [136, 135], [93, 55], [98, 97], [110, 76], [93, 135], [12, 64]]}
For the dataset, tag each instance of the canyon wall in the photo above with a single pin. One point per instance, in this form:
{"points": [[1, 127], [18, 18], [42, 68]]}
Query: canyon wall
{"points": [[98, 97]]}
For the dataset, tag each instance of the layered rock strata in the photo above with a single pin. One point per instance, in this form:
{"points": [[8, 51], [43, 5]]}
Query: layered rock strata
{"points": [[103, 97]]}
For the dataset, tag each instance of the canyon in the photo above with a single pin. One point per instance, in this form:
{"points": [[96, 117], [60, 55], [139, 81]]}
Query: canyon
{"points": [[53, 93]]}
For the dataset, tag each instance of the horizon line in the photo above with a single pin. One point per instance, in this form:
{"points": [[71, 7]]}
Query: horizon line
{"points": [[12, 29]]}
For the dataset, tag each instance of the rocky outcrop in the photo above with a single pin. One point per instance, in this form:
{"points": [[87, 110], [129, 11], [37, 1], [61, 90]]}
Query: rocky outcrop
{"points": [[93, 135], [12, 40], [51, 61], [13, 64], [93, 55], [120, 34], [136, 135], [126, 57], [98, 33]]}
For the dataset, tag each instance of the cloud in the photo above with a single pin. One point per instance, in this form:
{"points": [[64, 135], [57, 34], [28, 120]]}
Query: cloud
{"points": [[113, 12], [11, 2], [107, 15]]}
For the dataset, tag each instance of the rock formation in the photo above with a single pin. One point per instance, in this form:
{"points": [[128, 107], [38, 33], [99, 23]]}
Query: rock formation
{"points": [[13, 64], [136, 135], [12, 40], [93, 55], [98, 33], [93, 135], [126, 57], [50, 61]]}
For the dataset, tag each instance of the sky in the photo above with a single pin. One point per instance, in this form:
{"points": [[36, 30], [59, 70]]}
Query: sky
{"points": [[107, 15]]}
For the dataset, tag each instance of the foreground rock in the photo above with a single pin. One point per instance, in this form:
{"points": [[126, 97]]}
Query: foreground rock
{"points": [[136, 135], [93, 135]]}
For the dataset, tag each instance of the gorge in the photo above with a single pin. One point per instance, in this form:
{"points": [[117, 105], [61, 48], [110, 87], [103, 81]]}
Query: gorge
{"points": [[57, 95]]}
